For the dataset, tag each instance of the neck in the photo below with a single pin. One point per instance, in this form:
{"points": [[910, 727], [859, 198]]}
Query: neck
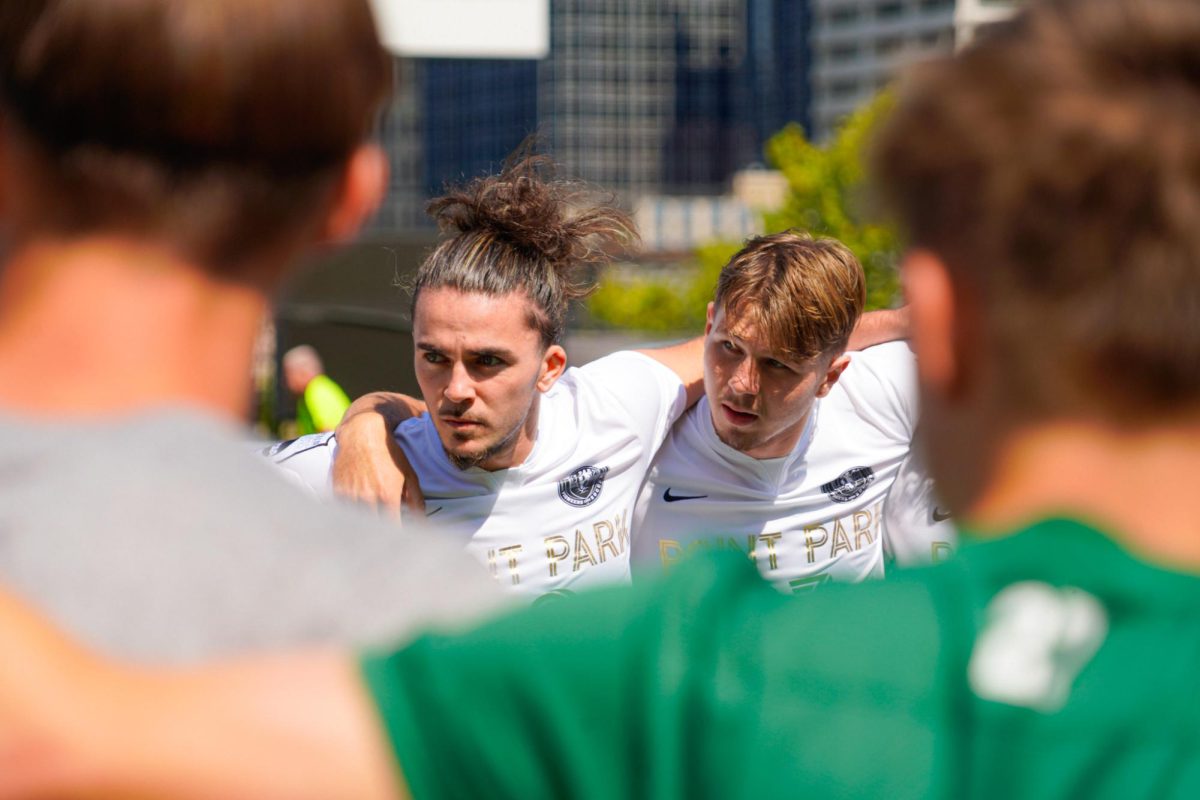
{"points": [[1133, 483], [106, 325]]}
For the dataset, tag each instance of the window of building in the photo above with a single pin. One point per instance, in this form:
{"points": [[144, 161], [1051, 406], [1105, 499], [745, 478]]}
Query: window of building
{"points": [[843, 89], [843, 52], [889, 10], [844, 15], [889, 45], [944, 40]]}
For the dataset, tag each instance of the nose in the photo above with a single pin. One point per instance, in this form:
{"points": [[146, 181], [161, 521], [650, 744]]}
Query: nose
{"points": [[460, 388], [745, 377]]}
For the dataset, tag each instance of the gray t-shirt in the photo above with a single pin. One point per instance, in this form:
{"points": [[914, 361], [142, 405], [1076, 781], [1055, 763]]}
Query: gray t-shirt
{"points": [[165, 537]]}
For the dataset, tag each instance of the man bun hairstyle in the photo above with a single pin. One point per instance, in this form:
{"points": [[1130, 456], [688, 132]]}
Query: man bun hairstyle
{"points": [[524, 230], [803, 294], [1054, 167], [217, 126]]}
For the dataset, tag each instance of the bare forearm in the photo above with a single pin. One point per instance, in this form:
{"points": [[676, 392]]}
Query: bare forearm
{"points": [[294, 727], [877, 327], [370, 468], [391, 407], [687, 361]]}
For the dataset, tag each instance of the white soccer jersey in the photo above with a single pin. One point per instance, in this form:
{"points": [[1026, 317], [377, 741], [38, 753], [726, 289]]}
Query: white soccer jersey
{"points": [[806, 518], [561, 520], [916, 530]]}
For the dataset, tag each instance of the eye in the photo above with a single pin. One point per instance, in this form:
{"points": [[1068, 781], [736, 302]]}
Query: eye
{"points": [[489, 361], [434, 358], [728, 346], [774, 364]]}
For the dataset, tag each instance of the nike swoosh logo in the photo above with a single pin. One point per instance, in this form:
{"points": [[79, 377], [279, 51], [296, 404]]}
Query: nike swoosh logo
{"points": [[940, 515], [436, 510], [675, 498]]}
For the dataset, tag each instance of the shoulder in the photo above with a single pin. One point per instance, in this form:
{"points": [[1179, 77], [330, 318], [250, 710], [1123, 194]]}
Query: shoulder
{"points": [[281, 452], [892, 362], [624, 368], [880, 387], [631, 389]]}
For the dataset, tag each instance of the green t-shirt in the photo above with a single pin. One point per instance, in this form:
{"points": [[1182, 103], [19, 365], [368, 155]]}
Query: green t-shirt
{"points": [[1046, 664]]}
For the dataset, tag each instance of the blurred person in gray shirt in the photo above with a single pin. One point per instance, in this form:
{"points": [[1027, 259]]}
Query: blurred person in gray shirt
{"points": [[163, 164]]}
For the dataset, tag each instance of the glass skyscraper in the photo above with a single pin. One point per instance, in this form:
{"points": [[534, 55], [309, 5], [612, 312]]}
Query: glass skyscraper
{"points": [[642, 97]]}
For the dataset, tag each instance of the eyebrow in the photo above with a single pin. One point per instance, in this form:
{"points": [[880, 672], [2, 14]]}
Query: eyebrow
{"points": [[784, 358], [498, 352]]}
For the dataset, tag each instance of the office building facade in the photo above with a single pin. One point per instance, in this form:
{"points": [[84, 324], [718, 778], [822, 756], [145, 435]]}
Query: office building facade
{"points": [[857, 46], [641, 97]]}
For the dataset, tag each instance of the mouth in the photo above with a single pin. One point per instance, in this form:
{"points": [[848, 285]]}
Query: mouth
{"points": [[461, 424], [737, 416]]}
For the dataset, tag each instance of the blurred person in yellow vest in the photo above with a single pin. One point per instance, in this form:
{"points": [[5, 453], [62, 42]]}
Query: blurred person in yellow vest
{"points": [[320, 402]]}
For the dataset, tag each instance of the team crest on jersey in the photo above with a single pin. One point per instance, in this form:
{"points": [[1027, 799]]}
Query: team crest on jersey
{"points": [[582, 487], [849, 485]]}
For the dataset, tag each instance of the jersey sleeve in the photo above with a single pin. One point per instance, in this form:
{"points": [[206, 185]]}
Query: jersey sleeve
{"points": [[651, 394], [306, 462], [705, 683], [881, 382], [916, 530]]}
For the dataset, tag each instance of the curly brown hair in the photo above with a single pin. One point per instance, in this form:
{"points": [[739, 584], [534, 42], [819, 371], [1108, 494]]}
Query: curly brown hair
{"points": [[524, 230]]}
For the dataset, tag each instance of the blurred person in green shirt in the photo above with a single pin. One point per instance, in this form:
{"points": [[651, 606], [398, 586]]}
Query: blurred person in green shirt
{"points": [[320, 402], [1048, 178]]}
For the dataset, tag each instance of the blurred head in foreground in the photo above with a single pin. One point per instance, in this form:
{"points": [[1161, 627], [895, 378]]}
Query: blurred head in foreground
{"points": [[1048, 179], [219, 139], [216, 129]]}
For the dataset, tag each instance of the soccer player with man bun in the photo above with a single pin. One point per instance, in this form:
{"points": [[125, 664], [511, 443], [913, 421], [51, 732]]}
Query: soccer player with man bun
{"points": [[532, 465]]}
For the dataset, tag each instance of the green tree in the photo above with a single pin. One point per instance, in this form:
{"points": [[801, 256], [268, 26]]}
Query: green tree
{"points": [[826, 196]]}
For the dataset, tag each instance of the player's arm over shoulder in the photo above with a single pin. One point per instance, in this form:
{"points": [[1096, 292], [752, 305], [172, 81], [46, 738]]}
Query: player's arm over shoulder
{"points": [[370, 467]]}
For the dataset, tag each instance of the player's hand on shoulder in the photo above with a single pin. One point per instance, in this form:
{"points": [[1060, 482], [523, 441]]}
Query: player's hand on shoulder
{"points": [[369, 467]]}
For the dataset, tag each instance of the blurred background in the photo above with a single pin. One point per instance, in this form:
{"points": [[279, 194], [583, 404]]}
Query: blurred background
{"points": [[710, 120]]}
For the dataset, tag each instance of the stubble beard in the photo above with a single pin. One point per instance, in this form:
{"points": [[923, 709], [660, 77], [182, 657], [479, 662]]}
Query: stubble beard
{"points": [[488, 453]]}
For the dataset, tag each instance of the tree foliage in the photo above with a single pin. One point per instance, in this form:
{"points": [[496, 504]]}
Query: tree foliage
{"points": [[826, 196]]}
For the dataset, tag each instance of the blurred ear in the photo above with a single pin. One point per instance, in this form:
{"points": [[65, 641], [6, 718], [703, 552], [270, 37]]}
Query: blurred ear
{"points": [[554, 361], [358, 195], [835, 370], [935, 323], [708, 319]]}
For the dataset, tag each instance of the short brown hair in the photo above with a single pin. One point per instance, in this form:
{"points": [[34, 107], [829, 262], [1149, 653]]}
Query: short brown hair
{"points": [[217, 126], [525, 230], [803, 294], [1054, 166]]}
